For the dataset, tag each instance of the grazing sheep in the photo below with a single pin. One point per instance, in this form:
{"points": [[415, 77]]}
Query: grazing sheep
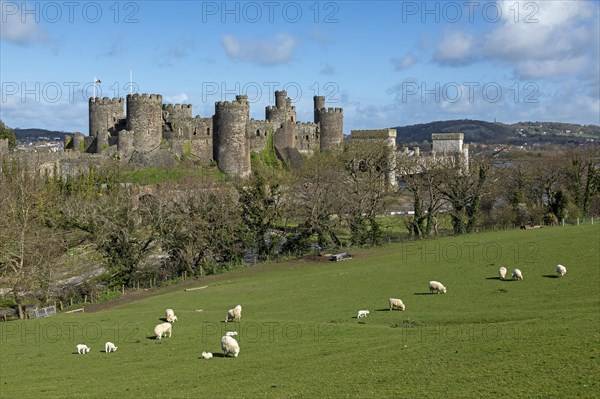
{"points": [[162, 329], [207, 355], [517, 275], [230, 346], [170, 315], [502, 272], [231, 333], [437, 287], [81, 349], [561, 270], [234, 314], [396, 303], [362, 313], [110, 347]]}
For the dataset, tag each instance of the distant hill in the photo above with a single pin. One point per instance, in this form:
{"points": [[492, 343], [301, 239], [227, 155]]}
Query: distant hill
{"points": [[499, 133], [38, 134]]}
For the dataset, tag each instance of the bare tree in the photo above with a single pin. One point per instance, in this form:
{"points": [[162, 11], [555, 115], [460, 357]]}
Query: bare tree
{"points": [[29, 241]]}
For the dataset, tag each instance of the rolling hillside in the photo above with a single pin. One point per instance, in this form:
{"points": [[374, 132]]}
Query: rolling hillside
{"points": [[299, 335]]}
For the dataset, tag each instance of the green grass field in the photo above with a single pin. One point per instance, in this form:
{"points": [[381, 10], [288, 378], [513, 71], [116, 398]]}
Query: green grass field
{"points": [[485, 338]]}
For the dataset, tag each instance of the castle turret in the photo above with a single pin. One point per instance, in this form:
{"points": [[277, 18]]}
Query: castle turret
{"points": [[331, 125], [144, 118], [319, 102], [106, 117], [283, 111], [230, 146]]}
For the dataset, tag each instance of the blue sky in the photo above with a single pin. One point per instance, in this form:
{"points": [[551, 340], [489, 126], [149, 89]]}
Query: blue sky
{"points": [[387, 63]]}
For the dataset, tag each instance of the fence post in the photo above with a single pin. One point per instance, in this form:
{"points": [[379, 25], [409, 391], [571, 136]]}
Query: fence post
{"points": [[577, 221], [85, 299], [563, 222], [123, 289]]}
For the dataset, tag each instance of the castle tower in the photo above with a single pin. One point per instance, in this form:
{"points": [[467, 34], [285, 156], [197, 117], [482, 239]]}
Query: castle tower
{"points": [[283, 111], [105, 114], [144, 118], [230, 146], [331, 124], [319, 102]]}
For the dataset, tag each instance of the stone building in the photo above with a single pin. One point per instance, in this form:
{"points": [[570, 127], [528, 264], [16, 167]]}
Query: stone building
{"points": [[228, 137]]}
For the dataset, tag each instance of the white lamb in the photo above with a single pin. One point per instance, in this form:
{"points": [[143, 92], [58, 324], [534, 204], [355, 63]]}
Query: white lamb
{"points": [[234, 314], [517, 275], [561, 270], [207, 355], [110, 347], [231, 333], [437, 287], [396, 303], [230, 346], [362, 313], [170, 315], [162, 330], [81, 349], [502, 272]]}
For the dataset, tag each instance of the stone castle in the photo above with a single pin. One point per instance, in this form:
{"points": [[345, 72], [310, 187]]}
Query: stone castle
{"points": [[142, 126]]}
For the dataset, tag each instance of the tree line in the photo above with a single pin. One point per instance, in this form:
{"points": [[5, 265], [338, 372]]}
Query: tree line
{"points": [[331, 200]]}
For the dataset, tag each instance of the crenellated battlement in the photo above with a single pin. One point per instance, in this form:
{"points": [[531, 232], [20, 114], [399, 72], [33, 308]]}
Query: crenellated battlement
{"points": [[145, 97], [240, 102], [107, 101], [176, 107], [331, 110]]}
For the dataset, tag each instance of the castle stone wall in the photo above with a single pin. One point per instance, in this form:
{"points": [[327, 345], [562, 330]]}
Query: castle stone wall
{"points": [[231, 149], [331, 128], [257, 132], [105, 115], [125, 140], [447, 142], [319, 104], [3, 146], [144, 118], [307, 138]]}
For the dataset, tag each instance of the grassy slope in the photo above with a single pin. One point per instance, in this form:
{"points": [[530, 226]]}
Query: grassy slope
{"points": [[536, 338]]}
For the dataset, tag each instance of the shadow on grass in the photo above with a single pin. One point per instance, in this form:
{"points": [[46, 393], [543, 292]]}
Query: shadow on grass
{"points": [[551, 276], [153, 337], [163, 319], [423, 293], [493, 278]]}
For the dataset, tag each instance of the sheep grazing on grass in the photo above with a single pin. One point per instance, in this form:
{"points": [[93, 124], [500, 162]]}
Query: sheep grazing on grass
{"points": [[234, 314], [502, 272], [110, 347], [81, 349], [362, 313], [517, 275], [231, 333], [230, 346], [396, 303], [170, 315], [162, 330], [207, 355], [561, 270], [437, 287]]}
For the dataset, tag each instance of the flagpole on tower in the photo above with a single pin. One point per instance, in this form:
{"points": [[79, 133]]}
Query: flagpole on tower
{"points": [[94, 86], [130, 81]]}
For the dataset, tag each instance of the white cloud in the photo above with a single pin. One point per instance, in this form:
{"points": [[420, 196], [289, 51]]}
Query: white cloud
{"points": [[14, 30], [547, 39], [404, 62], [455, 48], [260, 51], [180, 98]]}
